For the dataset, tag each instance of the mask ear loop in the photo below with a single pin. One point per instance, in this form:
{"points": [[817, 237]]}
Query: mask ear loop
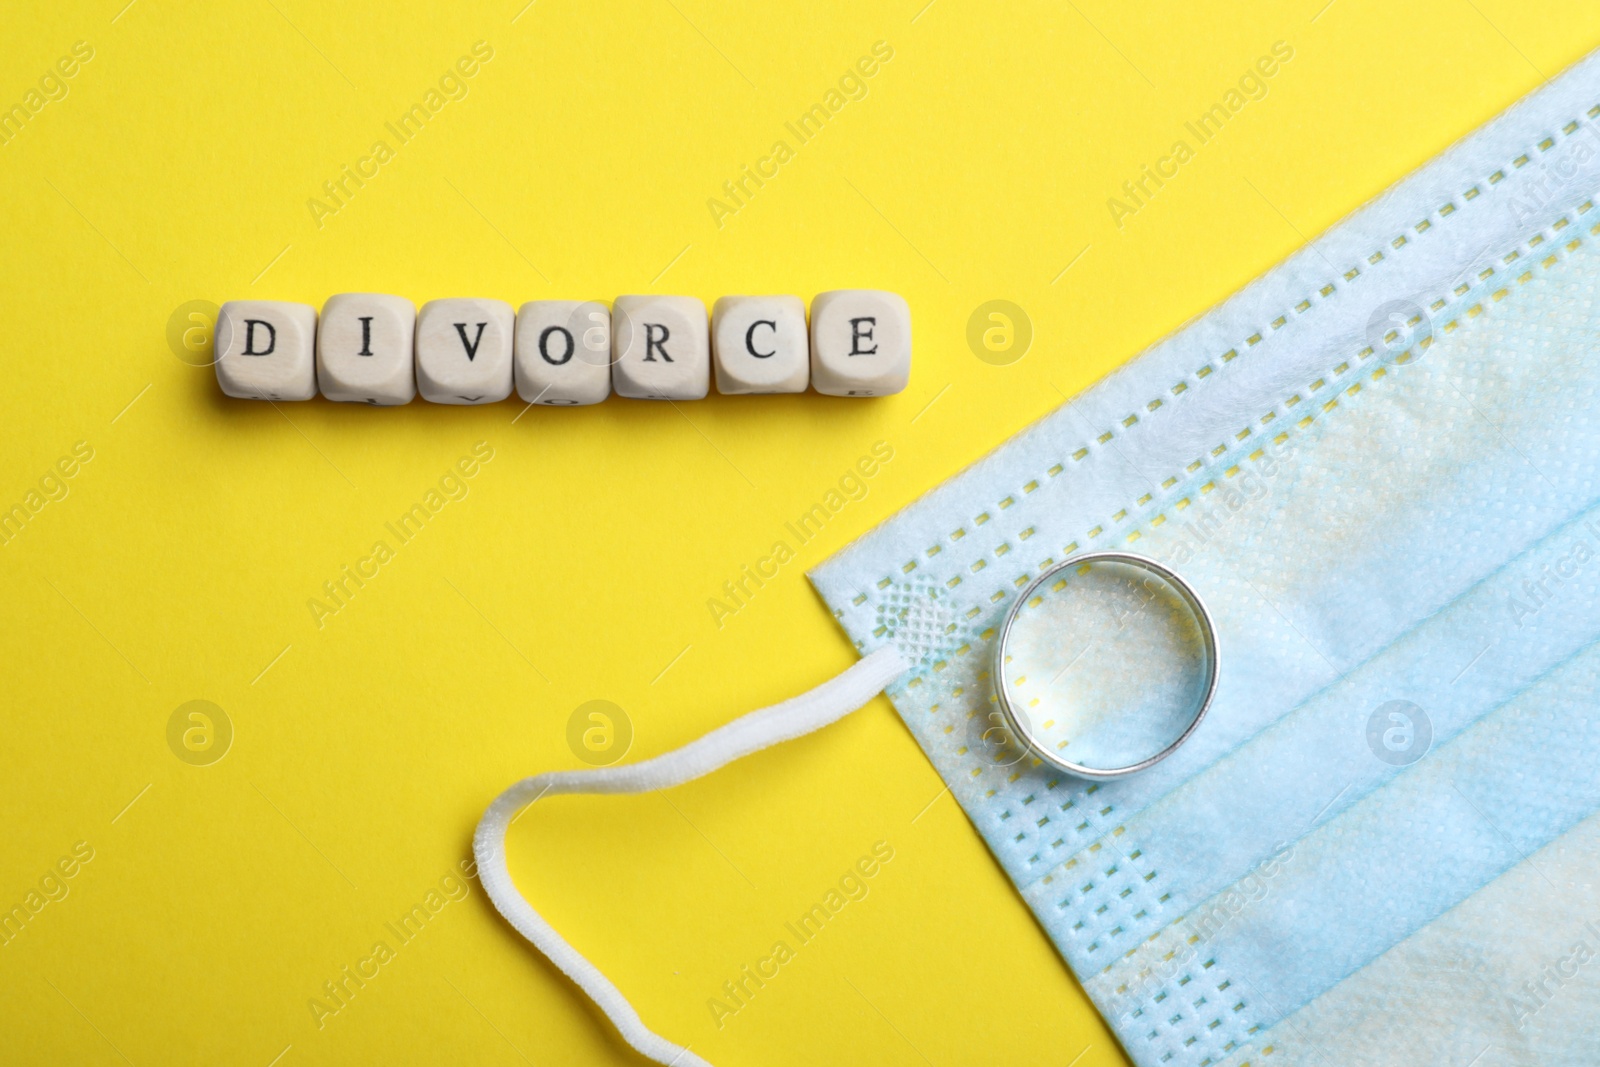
{"points": [[800, 715]]}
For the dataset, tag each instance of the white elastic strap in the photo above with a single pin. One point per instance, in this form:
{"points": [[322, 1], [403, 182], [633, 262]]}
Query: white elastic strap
{"points": [[827, 703]]}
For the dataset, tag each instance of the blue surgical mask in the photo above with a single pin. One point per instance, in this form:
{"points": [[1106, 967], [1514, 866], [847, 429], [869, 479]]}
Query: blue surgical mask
{"points": [[1379, 465]]}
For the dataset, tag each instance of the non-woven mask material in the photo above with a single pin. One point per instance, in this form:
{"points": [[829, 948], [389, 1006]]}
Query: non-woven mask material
{"points": [[1379, 465]]}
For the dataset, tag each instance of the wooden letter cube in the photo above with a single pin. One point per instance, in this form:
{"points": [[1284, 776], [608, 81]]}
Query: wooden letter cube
{"points": [[662, 348], [364, 349], [860, 343], [464, 351], [563, 352], [264, 350], [759, 344]]}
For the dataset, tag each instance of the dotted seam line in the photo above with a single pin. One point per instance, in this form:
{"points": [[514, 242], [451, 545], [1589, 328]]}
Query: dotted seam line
{"points": [[1549, 261], [1329, 292], [1379, 373], [1142, 884]]}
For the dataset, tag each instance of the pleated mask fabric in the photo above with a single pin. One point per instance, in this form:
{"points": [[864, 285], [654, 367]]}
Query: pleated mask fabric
{"points": [[1379, 465]]}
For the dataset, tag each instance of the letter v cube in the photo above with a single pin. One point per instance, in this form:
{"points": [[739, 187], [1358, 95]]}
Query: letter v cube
{"points": [[464, 348]]}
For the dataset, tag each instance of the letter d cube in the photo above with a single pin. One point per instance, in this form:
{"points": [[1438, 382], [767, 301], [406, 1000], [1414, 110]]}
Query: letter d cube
{"points": [[264, 350]]}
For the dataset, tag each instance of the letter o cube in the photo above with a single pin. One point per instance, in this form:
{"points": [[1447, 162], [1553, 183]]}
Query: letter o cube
{"points": [[563, 352]]}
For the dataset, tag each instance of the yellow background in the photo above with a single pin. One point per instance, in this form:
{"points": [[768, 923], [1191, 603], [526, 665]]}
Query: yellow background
{"points": [[179, 565]]}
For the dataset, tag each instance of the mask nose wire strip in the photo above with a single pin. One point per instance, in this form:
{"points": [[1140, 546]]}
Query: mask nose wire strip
{"points": [[800, 715]]}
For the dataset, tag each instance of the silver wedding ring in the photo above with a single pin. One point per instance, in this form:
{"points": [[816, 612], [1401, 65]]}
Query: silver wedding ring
{"points": [[1208, 637]]}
